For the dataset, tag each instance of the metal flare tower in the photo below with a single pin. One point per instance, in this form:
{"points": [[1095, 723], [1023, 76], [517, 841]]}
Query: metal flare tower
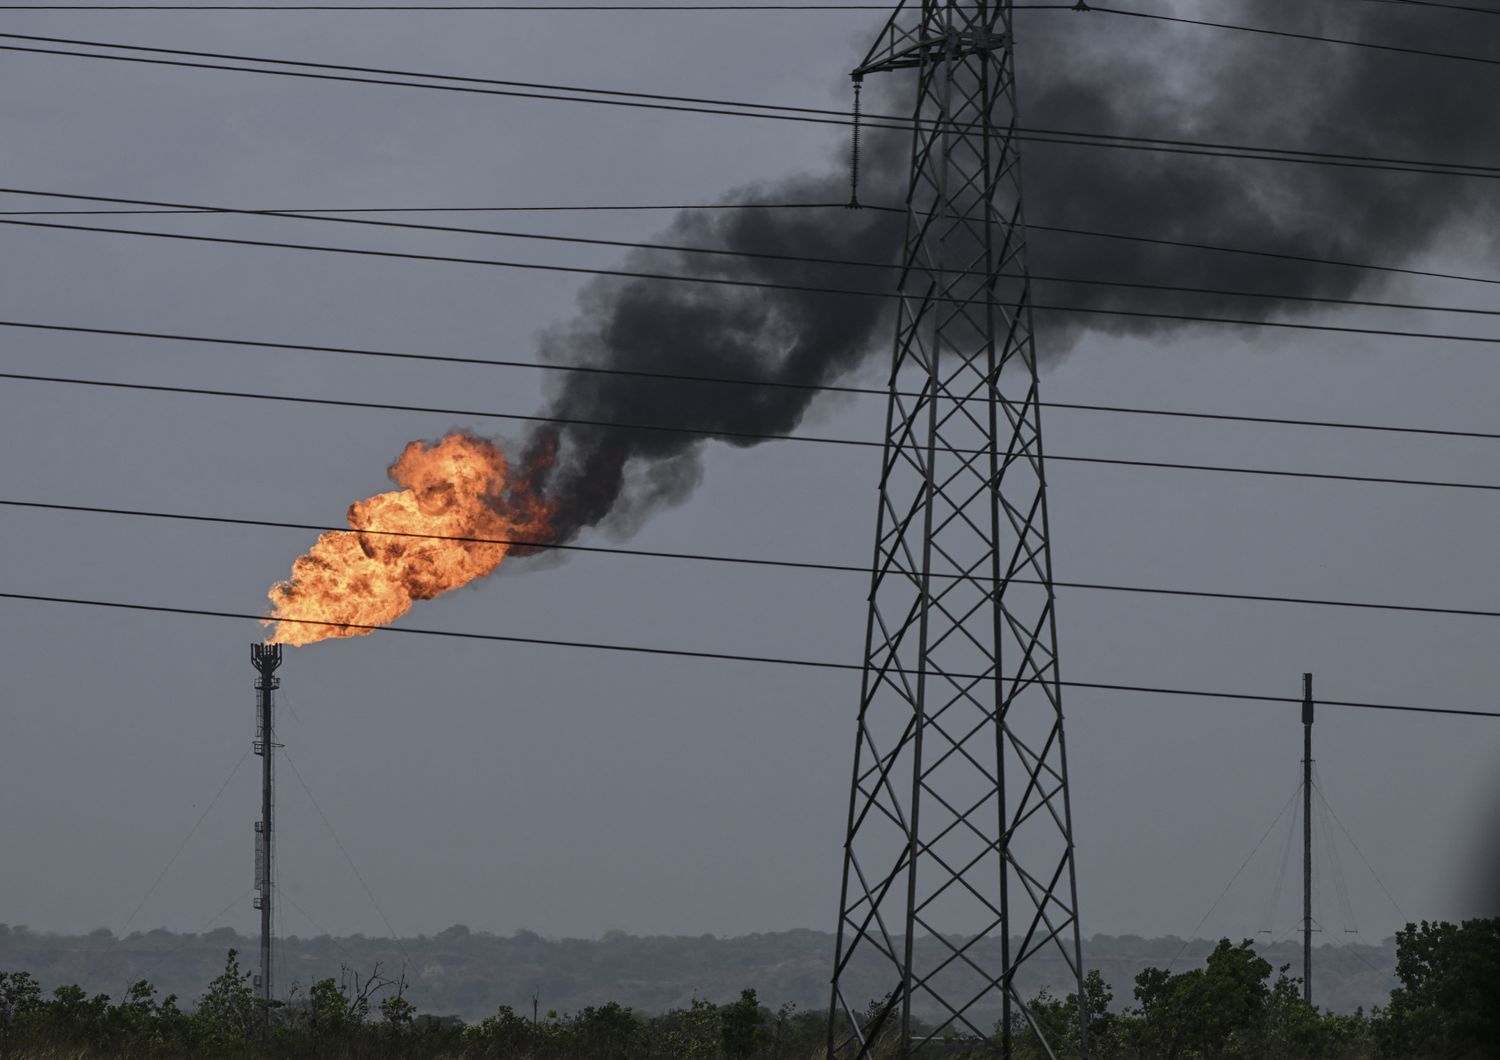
{"points": [[266, 657], [958, 861]]}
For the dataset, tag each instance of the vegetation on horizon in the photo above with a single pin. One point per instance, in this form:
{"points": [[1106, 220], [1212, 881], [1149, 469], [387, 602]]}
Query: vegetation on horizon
{"points": [[1231, 1009]]}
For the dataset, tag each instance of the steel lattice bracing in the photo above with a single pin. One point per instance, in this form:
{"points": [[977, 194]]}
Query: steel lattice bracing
{"points": [[958, 865]]}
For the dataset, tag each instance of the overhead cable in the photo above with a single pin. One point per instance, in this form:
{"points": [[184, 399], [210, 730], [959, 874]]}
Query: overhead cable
{"points": [[470, 209], [685, 653], [700, 105], [1291, 35], [760, 255], [595, 8], [836, 388], [863, 443], [718, 281], [326, 8], [1444, 4], [1216, 248], [752, 561]]}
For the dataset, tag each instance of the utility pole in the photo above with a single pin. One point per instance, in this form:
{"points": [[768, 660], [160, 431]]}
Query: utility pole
{"points": [[266, 657], [1307, 764], [958, 856]]}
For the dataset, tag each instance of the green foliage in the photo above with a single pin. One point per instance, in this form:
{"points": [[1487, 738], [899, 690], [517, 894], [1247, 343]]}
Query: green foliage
{"points": [[742, 1027], [20, 997], [1230, 1009], [397, 1011], [1448, 1003], [1060, 1021], [229, 1014]]}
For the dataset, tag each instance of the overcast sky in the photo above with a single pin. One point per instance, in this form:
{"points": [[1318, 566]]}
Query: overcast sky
{"points": [[571, 792]]}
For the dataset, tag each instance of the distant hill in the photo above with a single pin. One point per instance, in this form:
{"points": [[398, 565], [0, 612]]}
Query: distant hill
{"points": [[469, 973]]}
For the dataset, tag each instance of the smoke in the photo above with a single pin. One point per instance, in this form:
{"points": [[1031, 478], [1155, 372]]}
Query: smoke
{"points": [[1089, 72], [796, 337]]}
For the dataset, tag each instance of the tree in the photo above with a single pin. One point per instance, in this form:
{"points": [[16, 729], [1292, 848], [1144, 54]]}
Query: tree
{"points": [[229, 1012], [397, 1011], [742, 1027], [1217, 1012], [1448, 1003], [609, 1032], [20, 997], [1058, 1020]]}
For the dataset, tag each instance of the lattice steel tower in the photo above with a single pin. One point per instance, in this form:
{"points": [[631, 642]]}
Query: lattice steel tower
{"points": [[958, 863]]}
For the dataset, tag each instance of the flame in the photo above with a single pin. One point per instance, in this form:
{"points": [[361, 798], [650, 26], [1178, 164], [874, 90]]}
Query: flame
{"points": [[369, 575]]}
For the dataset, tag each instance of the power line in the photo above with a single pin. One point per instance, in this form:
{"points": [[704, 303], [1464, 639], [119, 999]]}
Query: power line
{"points": [[881, 392], [750, 561], [477, 209], [458, 229], [772, 660], [467, 7], [486, 6], [1289, 34], [452, 359], [700, 105], [726, 282], [745, 435], [601, 8], [452, 260], [1089, 233], [756, 255], [1279, 255], [790, 564], [1438, 4]]}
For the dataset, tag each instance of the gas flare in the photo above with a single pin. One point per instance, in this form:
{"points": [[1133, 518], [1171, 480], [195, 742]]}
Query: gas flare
{"points": [[461, 491]]}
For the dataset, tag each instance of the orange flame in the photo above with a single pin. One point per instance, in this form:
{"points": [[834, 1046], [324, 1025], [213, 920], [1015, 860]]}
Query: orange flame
{"points": [[369, 575]]}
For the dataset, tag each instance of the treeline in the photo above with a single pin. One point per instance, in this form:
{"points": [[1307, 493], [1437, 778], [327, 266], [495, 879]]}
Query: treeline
{"points": [[467, 973], [1447, 1006]]}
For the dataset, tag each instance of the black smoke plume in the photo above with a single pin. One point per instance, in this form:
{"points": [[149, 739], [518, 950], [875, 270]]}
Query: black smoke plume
{"points": [[1088, 71]]}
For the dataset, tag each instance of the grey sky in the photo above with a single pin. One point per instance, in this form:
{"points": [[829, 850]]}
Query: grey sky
{"points": [[571, 792]]}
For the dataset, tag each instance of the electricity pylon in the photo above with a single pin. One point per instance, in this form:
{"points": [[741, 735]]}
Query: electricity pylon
{"points": [[958, 862]]}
